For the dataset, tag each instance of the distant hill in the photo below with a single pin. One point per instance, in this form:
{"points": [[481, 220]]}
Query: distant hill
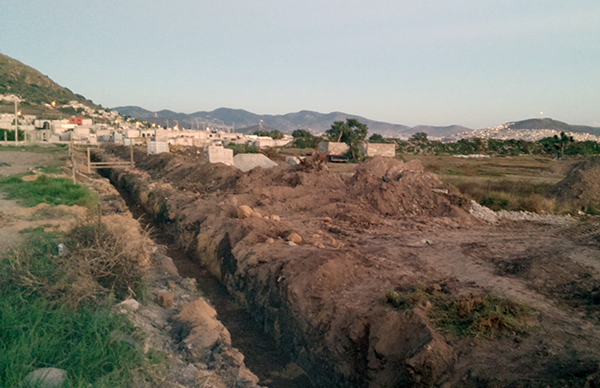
{"points": [[313, 121], [31, 85], [556, 125]]}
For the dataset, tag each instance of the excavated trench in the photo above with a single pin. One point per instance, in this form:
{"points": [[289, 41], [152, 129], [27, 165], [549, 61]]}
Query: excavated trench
{"points": [[263, 356]]}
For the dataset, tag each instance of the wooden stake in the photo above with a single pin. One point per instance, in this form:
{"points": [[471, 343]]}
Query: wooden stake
{"points": [[89, 161]]}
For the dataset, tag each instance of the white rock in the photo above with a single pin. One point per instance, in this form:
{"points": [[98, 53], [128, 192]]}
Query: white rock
{"points": [[129, 305], [46, 378]]}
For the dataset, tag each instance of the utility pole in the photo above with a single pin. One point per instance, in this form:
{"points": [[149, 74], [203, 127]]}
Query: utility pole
{"points": [[16, 125]]}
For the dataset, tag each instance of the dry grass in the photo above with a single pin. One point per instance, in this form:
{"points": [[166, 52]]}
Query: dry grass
{"points": [[93, 266], [475, 316]]}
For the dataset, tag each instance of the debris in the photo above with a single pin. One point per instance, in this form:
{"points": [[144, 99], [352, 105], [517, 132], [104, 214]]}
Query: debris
{"points": [[165, 299]]}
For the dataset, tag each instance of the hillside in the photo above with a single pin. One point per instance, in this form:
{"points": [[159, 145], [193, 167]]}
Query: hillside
{"points": [[314, 121], [32, 86], [556, 125]]}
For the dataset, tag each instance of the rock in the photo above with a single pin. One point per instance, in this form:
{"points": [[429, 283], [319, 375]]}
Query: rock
{"points": [[244, 212], [46, 378], [275, 218], [319, 245], [327, 219], [129, 305], [165, 299], [205, 331], [257, 214], [189, 284], [270, 241], [295, 238], [30, 178], [246, 378], [316, 236], [292, 244]]}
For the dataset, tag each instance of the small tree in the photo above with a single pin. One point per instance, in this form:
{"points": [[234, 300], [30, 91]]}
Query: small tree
{"points": [[351, 132], [376, 138], [419, 136]]}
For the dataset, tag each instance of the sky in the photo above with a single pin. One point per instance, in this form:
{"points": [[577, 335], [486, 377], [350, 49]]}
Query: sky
{"points": [[428, 62]]}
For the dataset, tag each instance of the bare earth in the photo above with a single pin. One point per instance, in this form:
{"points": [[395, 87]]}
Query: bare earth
{"points": [[388, 226], [21, 161]]}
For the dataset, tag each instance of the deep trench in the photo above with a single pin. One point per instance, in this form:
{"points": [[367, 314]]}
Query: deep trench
{"points": [[263, 357]]}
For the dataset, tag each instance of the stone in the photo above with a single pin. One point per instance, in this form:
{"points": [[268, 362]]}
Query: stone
{"points": [[316, 235], [295, 238], [165, 299], [129, 305], [327, 219], [30, 178], [244, 212], [257, 214], [319, 245], [205, 331], [46, 378], [270, 241], [275, 218]]}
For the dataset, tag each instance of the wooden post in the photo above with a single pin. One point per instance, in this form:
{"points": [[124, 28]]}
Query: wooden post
{"points": [[74, 173], [89, 161], [131, 149]]}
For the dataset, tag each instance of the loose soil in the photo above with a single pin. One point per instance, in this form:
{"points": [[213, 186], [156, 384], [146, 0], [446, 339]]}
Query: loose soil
{"points": [[387, 226]]}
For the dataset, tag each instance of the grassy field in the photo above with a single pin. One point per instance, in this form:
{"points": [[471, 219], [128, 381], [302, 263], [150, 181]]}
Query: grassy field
{"points": [[56, 309], [54, 191]]}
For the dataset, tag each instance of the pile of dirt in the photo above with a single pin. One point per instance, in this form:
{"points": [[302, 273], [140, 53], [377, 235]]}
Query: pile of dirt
{"points": [[389, 226], [582, 184]]}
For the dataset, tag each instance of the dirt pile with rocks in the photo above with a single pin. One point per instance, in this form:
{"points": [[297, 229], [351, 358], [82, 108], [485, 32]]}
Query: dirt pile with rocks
{"points": [[582, 184], [312, 255]]}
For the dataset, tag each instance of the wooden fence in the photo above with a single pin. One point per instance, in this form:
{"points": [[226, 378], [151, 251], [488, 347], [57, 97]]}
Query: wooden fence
{"points": [[81, 154]]}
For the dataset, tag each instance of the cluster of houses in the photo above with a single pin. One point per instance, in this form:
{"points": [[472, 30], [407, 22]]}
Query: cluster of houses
{"points": [[85, 131]]}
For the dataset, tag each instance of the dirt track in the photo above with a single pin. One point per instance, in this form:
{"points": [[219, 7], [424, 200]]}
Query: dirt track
{"points": [[325, 305]]}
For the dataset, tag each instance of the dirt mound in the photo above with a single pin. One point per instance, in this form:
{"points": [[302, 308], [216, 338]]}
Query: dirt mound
{"points": [[394, 188], [582, 184]]}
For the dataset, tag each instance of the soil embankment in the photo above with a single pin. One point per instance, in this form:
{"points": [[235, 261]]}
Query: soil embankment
{"points": [[389, 226]]}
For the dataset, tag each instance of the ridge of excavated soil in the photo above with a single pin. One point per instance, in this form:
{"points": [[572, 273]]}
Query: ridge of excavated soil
{"points": [[389, 226]]}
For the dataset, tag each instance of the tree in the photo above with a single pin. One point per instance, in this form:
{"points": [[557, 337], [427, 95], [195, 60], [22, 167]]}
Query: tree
{"points": [[419, 136], [351, 132], [301, 133], [376, 138]]}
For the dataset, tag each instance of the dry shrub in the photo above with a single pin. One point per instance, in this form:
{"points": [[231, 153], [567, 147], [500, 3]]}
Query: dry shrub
{"points": [[537, 203], [95, 265], [475, 315], [99, 264]]}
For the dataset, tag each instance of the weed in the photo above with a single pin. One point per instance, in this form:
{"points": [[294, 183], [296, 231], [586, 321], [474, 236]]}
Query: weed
{"points": [[54, 309], [474, 316], [55, 191]]}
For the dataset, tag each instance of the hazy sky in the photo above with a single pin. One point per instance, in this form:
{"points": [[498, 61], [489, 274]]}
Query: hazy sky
{"points": [[476, 63]]}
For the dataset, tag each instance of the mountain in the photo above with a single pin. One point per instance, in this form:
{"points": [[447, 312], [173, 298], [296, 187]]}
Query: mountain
{"points": [[32, 86], [313, 121], [555, 125]]}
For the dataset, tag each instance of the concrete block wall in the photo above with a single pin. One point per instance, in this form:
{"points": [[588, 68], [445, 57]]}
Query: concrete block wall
{"points": [[217, 154], [374, 149]]}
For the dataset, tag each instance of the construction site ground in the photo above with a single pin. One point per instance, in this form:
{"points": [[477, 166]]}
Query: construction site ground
{"points": [[374, 228]]}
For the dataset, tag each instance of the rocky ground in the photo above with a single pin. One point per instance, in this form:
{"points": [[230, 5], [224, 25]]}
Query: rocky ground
{"points": [[175, 323], [319, 252]]}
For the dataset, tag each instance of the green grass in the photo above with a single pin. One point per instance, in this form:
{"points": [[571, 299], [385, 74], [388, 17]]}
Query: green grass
{"points": [[475, 316], [45, 322], [54, 191], [56, 149]]}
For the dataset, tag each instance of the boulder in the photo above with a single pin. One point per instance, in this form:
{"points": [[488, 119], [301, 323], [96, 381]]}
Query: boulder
{"points": [[295, 238], [46, 378], [244, 212]]}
